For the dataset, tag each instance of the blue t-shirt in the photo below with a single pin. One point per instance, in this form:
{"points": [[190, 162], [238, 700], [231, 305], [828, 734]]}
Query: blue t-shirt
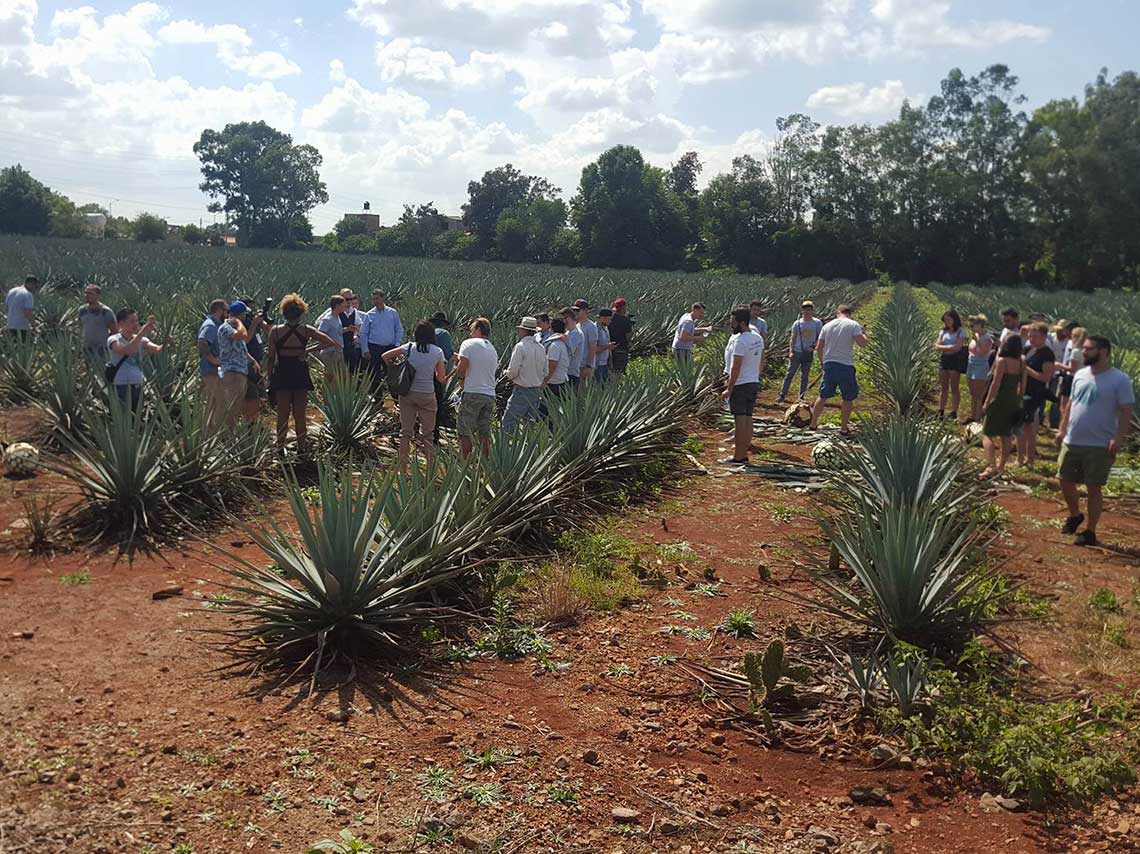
{"points": [[19, 300], [130, 372], [331, 326], [208, 332], [590, 338], [1095, 408], [577, 345], [759, 326], [603, 355], [805, 333], [233, 353]]}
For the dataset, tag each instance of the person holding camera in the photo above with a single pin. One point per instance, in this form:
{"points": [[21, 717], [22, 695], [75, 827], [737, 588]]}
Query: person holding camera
{"points": [[256, 324], [801, 349], [127, 347]]}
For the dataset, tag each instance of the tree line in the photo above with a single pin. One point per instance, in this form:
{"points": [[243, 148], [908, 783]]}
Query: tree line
{"points": [[968, 188]]}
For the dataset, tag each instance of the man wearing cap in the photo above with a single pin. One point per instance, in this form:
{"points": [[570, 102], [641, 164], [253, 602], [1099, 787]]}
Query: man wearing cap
{"points": [[478, 364], [801, 349], [528, 370], [589, 331], [380, 331], [605, 347], [688, 333], [621, 328], [233, 354], [21, 301]]}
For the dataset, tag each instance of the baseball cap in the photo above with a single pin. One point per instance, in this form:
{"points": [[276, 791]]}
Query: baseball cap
{"points": [[582, 305], [237, 307], [619, 302]]}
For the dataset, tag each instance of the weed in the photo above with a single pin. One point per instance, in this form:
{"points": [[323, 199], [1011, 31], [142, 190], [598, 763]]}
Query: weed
{"points": [[1115, 634], [740, 623], [682, 615], [435, 835], [182, 848], [275, 800], [198, 757], [329, 803], [707, 588], [491, 757], [663, 660], [506, 638], [1105, 601], [189, 790], [484, 794], [345, 843], [782, 514], [690, 632], [436, 783], [677, 552], [562, 793], [75, 579], [619, 670], [692, 445], [558, 600], [298, 762]]}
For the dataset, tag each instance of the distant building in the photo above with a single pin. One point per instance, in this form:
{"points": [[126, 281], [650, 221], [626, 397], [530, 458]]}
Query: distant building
{"points": [[95, 225], [454, 223], [230, 239], [371, 221]]}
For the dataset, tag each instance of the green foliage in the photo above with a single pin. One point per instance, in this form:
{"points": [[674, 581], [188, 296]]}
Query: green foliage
{"points": [[506, 638], [149, 228], [740, 623], [1105, 601], [1038, 751], [901, 355], [25, 203], [769, 675], [75, 579], [345, 843]]}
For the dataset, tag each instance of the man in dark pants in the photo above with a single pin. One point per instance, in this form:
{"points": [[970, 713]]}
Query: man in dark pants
{"points": [[380, 331], [621, 328], [444, 341]]}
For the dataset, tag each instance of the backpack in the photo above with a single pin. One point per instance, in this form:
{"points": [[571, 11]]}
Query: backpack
{"points": [[400, 377]]}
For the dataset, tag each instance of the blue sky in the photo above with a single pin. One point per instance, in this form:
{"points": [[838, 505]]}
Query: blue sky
{"points": [[410, 99]]}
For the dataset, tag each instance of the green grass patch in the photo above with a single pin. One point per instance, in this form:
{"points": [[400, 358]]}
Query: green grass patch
{"points": [[75, 579]]}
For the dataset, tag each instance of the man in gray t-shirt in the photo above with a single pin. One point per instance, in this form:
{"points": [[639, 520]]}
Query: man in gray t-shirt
{"points": [[97, 323], [1092, 431]]}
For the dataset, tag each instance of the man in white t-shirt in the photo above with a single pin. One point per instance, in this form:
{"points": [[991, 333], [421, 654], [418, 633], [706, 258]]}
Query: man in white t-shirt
{"points": [[1091, 434], [743, 358], [20, 303], [478, 364], [836, 345]]}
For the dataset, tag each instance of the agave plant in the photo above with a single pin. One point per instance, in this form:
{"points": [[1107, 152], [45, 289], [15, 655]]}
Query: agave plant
{"points": [[342, 588], [67, 392], [900, 357], [349, 411], [22, 365]]}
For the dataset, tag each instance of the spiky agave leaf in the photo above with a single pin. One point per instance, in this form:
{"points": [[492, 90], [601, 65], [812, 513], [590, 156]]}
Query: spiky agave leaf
{"points": [[901, 353], [916, 575], [349, 411], [342, 587], [67, 393]]}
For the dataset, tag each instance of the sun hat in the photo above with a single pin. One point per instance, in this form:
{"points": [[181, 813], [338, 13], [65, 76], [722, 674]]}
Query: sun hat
{"points": [[439, 319], [238, 308], [529, 324], [807, 304]]}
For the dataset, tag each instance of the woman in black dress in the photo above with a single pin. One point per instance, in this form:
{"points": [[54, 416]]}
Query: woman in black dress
{"points": [[289, 380]]}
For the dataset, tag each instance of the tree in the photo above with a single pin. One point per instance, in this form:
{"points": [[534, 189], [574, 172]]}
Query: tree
{"points": [[66, 221], [787, 166], [25, 203], [739, 216], [625, 214], [500, 189], [682, 180], [350, 225], [149, 228], [527, 232], [268, 184], [195, 235]]}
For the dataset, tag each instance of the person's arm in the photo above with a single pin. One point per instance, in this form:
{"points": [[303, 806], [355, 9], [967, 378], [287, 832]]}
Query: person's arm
{"points": [[239, 330], [1123, 425], [271, 351], [995, 384], [399, 327], [551, 367], [320, 337], [737, 362], [364, 329], [127, 348], [151, 347], [792, 340], [204, 352], [462, 367], [392, 355], [29, 312], [1044, 375], [861, 339], [441, 370]]}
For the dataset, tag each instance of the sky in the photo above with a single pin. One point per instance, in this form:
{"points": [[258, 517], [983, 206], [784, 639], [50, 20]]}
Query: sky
{"points": [[408, 100]]}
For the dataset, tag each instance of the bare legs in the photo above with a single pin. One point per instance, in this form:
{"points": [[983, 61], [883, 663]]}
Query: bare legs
{"points": [[997, 453], [845, 408], [977, 398], [295, 403], [1073, 502], [950, 383]]}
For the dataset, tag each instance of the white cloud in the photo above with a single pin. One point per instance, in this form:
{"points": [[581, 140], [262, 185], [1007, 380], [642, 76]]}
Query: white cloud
{"points": [[232, 44], [403, 59], [917, 24], [16, 20], [681, 16], [858, 101]]}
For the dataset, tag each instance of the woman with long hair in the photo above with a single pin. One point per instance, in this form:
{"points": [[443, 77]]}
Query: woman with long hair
{"points": [[289, 380], [952, 359], [419, 403], [978, 364], [1003, 407], [1073, 361]]}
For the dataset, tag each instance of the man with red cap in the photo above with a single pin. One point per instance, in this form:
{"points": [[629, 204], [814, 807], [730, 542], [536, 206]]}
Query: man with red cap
{"points": [[621, 327]]}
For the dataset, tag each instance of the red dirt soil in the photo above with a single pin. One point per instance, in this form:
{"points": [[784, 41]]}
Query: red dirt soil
{"points": [[117, 735]]}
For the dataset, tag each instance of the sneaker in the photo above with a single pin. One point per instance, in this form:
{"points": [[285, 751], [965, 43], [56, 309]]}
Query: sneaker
{"points": [[732, 461], [1085, 538], [1072, 523]]}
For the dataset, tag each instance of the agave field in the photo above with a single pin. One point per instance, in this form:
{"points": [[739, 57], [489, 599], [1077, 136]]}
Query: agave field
{"points": [[594, 638]]}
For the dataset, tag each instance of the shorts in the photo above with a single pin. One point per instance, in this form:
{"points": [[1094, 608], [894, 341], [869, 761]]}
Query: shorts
{"points": [[1067, 385], [837, 376], [1033, 409], [742, 401], [475, 414], [977, 369], [331, 359], [231, 392], [421, 404], [680, 355], [1084, 464], [954, 361]]}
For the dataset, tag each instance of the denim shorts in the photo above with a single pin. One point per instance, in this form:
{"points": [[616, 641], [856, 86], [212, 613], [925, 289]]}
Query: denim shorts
{"points": [[841, 378], [977, 369]]}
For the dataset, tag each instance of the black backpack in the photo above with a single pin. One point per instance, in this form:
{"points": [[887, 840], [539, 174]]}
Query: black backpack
{"points": [[401, 376]]}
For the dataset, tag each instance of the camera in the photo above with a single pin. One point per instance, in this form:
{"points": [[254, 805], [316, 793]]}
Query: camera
{"points": [[266, 307]]}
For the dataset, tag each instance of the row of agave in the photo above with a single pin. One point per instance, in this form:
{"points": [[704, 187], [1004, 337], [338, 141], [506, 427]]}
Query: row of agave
{"points": [[357, 572], [900, 357]]}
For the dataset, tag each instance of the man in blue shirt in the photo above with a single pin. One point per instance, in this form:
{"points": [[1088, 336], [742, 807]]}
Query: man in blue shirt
{"points": [[380, 331], [209, 361]]}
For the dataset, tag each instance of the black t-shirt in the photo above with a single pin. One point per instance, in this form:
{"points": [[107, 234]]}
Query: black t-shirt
{"points": [[621, 325], [1036, 389]]}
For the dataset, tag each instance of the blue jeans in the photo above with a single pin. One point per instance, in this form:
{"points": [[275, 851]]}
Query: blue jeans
{"points": [[523, 405], [602, 374], [801, 362], [131, 391]]}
